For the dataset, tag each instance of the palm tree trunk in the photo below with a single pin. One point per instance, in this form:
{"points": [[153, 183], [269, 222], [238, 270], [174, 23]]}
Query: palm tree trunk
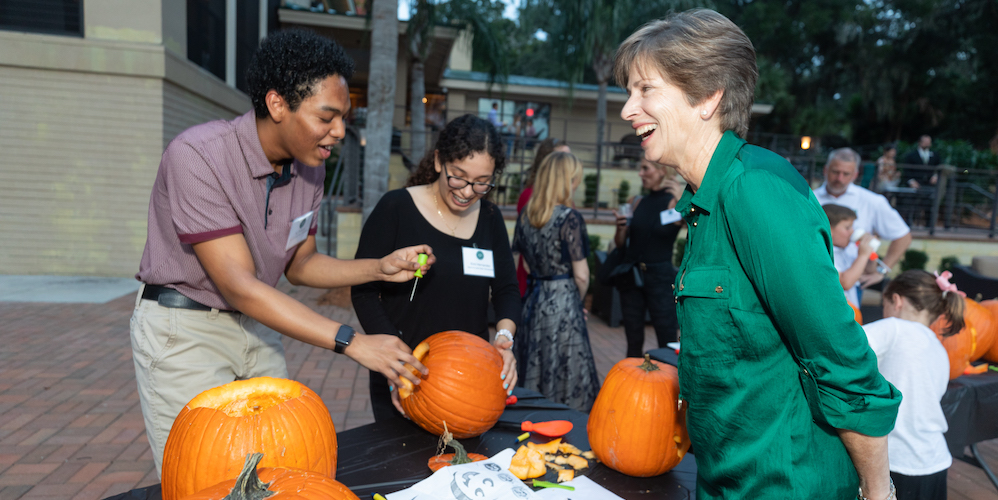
{"points": [[417, 91], [602, 66], [380, 101]]}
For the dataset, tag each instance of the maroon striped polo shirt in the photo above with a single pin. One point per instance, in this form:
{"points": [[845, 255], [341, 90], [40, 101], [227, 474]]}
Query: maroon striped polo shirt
{"points": [[212, 182]]}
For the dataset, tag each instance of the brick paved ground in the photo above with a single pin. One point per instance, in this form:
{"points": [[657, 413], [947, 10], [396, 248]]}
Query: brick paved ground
{"points": [[70, 424]]}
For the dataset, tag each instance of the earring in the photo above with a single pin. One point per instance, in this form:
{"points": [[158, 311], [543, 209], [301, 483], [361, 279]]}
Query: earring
{"points": [[703, 113]]}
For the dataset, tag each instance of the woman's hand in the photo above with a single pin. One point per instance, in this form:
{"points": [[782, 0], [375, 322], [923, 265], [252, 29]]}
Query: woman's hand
{"points": [[621, 220], [505, 348], [400, 265]]}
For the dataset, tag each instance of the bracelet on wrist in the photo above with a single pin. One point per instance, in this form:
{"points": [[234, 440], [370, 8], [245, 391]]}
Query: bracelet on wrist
{"points": [[892, 495], [504, 333]]}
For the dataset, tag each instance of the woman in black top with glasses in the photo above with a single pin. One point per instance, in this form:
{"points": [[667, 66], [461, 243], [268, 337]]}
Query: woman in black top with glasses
{"points": [[444, 206]]}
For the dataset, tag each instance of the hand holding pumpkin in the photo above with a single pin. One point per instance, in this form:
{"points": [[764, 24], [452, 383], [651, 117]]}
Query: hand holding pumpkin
{"points": [[508, 375], [400, 266], [387, 355]]}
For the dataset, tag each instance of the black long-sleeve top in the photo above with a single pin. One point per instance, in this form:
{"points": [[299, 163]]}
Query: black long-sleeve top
{"points": [[446, 298], [651, 241]]}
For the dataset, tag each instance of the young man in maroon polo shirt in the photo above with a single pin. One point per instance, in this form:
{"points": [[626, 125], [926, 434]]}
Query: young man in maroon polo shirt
{"points": [[234, 206]]}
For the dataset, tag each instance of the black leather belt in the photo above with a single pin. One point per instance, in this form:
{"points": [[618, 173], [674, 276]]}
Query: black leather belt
{"points": [[168, 297]]}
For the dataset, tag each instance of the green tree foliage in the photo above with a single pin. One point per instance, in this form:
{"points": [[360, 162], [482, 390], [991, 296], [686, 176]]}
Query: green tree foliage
{"points": [[867, 71]]}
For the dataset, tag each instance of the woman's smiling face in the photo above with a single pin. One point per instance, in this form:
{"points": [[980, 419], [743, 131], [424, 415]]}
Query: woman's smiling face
{"points": [[476, 167], [660, 114]]}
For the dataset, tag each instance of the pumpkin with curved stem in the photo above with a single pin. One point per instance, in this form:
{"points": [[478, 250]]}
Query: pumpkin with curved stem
{"points": [[463, 388], [460, 456], [636, 426], [280, 418], [275, 484]]}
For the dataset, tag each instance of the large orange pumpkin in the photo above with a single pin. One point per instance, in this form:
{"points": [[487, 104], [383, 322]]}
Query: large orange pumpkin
{"points": [[987, 340], [211, 437], [635, 426], [981, 319], [959, 346], [275, 484], [462, 389]]}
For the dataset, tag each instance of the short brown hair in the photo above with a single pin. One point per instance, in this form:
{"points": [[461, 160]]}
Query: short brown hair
{"points": [[838, 213], [701, 52]]}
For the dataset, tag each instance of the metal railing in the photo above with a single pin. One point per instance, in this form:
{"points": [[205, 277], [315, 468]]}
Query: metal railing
{"points": [[961, 200]]}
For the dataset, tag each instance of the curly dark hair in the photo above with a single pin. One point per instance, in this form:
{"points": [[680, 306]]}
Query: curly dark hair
{"points": [[292, 62], [459, 139]]}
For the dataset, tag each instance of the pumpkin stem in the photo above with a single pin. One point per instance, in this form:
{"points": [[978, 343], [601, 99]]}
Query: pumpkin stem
{"points": [[460, 454], [248, 485], [648, 366]]}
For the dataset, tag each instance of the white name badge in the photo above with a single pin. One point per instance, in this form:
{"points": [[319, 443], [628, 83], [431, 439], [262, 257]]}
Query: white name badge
{"points": [[478, 262], [299, 230], [669, 216]]}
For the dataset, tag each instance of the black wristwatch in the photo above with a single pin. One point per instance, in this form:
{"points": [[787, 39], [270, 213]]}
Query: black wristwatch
{"points": [[343, 337]]}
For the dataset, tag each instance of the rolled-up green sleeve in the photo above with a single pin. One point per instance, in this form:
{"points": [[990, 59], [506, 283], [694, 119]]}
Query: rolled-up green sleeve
{"points": [[781, 238]]}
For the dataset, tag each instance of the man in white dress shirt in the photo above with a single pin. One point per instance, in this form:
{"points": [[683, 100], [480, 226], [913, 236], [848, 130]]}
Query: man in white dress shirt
{"points": [[874, 214]]}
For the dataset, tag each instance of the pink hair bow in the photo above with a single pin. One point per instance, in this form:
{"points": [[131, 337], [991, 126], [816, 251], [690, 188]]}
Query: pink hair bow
{"points": [[943, 281]]}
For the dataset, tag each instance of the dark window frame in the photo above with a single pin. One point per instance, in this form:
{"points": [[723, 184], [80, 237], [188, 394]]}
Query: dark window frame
{"points": [[72, 16]]}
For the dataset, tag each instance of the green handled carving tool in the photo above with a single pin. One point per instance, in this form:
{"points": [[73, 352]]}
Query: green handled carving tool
{"points": [[419, 273]]}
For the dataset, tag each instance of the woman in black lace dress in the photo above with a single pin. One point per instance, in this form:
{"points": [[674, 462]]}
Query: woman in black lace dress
{"points": [[552, 345]]}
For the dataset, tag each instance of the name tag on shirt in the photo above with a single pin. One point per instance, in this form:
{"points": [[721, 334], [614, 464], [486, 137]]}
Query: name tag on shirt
{"points": [[478, 262], [669, 216], [299, 230]]}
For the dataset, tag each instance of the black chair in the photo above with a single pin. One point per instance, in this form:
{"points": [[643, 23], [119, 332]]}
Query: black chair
{"points": [[973, 283]]}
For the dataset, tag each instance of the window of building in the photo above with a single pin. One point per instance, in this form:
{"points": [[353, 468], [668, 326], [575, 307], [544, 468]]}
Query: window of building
{"points": [[58, 17], [206, 35], [247, 38]]}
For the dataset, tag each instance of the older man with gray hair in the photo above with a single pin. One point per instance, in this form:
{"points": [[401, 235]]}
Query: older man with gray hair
{"points": [[874, 214]]}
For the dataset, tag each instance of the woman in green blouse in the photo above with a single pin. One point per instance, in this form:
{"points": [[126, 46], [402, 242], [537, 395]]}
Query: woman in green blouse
{"points": [[783, 394]]}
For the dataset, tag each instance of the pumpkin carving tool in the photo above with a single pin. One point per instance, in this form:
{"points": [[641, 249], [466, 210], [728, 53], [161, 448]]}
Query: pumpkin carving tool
{"points": [[419, 274], [554, 428]]}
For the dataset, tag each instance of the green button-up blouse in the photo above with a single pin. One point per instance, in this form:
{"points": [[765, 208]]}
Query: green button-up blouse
{"points": [[772, 362]]}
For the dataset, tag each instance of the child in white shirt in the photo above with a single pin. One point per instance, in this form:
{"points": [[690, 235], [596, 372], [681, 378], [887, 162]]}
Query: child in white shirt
{"points": [[911, 357], [840, 220]]}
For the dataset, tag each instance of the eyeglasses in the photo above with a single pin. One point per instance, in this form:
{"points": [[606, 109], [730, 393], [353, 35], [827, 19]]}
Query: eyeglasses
{"points": [[459, 183]]}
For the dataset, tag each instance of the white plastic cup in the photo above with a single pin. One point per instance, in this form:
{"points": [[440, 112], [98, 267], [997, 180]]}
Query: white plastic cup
{"points": [[625, 210]]}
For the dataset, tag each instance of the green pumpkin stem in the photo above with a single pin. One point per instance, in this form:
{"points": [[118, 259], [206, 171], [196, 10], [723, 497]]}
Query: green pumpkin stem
{"points": [[648, 366], [447, 439], [248, 485]]}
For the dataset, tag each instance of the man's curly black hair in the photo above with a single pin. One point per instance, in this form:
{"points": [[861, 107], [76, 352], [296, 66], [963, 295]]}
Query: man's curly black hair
{"points": [[292, 62]]}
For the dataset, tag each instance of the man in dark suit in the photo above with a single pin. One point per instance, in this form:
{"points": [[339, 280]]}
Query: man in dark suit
{"points": [[921, 155]]}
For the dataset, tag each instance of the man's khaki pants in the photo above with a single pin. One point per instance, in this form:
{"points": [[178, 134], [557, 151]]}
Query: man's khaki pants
{"points": [[180, 353]]}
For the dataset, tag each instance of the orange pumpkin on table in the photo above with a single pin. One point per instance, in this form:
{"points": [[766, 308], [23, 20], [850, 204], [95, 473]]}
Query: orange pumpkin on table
{"points": [[462, 389], [959, 346], [987, 340], [275, 484], [460, 456], [211, 437], [635, 426]]}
